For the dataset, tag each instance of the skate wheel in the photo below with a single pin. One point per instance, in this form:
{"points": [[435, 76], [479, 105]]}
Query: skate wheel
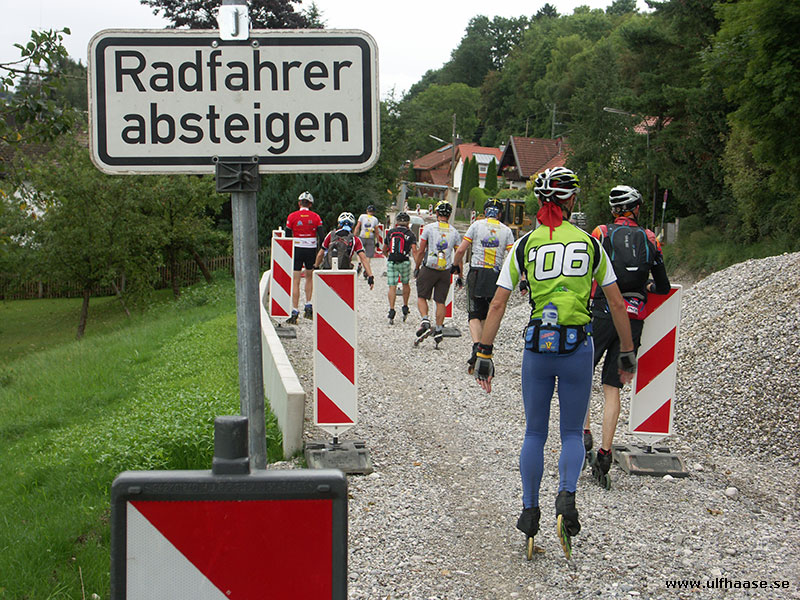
{"points": [[529, 549], [563, 536]]}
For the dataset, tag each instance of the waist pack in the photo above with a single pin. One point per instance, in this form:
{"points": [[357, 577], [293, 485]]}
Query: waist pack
{"points": [[555, 339]]}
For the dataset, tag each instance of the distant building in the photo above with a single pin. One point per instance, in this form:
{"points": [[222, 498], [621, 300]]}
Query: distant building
{"points": [[432, 173], [482, 154], [524, 157]]}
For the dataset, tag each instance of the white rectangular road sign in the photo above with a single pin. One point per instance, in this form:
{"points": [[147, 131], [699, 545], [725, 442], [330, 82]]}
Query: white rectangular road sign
{"points": [[177, 101]]}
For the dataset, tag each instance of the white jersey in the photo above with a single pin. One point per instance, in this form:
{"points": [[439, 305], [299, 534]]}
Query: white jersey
{"points": [[369, 226], [442, 240], [490, 241]]}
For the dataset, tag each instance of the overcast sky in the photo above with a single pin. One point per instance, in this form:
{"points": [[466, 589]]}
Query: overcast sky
{"points": [[412, 36]]}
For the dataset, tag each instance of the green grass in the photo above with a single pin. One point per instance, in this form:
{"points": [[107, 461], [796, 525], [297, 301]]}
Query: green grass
{"points": [[704, 250], [143, 394]]}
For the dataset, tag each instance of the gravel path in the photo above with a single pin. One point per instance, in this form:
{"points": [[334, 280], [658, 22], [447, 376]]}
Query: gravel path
{"points": [[436, 518]]}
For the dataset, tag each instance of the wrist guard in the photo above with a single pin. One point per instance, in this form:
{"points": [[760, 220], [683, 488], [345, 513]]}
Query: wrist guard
{"points": [[627, 362], [455, 270], [523, 285], [484, 367], [371, 280]]}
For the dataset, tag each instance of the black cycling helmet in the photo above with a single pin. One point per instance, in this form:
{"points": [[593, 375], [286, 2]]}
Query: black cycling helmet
{"points": [[444, 208], [558, 184], [370, 208], [402, 217], [624, 198], [492, 208]]}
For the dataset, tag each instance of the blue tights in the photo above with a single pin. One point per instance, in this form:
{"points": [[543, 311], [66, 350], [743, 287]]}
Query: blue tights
{"points": [[539, 374]]}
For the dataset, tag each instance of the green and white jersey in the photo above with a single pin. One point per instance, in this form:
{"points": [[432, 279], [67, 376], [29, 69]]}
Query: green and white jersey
{"points": [[560, 270]]}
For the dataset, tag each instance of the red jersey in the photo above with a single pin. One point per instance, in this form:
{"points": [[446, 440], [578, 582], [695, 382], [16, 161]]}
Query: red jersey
{"points": [[304, 224]]}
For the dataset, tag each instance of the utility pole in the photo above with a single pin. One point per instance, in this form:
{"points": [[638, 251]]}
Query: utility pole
{"points": [[453, 157]]}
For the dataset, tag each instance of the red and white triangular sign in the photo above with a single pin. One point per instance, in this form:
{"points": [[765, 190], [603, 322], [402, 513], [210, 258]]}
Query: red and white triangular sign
{"points": [[229, 550]]}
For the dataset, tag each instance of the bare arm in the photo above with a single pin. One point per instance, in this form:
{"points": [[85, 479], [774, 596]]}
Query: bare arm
{"points": [[458, 257], [621, 323], [318, 260], [423, 246], [492, 324]]}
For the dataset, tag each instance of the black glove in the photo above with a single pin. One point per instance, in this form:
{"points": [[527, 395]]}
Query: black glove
{"points": [[459, 282], [371, 280], [455, 270], [484, 366], [627, 362], [416, 272], [523, 285]]}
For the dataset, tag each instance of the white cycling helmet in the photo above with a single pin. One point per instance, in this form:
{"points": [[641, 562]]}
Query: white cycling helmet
{"points": [[346, 219], [306, 196], [557, 184], [624, 198]]}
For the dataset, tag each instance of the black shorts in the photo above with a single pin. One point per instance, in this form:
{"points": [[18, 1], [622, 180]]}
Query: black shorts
{"points": [[432, 281], [304, 257], [606, 341], [481, 286]]}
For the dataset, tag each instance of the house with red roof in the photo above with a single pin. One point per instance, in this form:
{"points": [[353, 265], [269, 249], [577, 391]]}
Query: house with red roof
{"points": [[482, 154], [524, 157], [432, 172]]}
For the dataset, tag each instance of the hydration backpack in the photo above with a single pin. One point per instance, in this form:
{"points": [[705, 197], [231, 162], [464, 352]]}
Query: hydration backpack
{"points": [[340, 246], [398, 246], [631, 255]]}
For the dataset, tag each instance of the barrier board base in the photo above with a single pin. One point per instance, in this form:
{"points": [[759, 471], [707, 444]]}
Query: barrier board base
{"points": [[349, 457], [654, 461], [451, 332], [285, 332]]}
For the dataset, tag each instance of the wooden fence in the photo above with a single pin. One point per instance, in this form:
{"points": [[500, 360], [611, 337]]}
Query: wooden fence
{"points": [[188, 273]]}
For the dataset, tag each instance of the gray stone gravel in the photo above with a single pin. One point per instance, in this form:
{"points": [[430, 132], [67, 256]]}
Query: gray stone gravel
{"points": [[436, 518]]}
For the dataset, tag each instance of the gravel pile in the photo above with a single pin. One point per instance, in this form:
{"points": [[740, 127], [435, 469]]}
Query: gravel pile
{"points": [[436, 518], [739, 377]]}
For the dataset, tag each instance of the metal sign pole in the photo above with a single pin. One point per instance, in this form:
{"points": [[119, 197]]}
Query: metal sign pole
{"points": [[242, 181]]}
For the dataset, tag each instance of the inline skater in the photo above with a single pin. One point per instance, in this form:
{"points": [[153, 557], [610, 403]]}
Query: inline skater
{"points": [[305, 226], [635, 253], [437, 242], [399, 244], [367, 230], [489, 240], [560, 263], [345, 246]]}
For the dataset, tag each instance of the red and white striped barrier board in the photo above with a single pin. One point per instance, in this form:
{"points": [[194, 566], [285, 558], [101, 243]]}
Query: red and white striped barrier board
{"points": [[448, 303], [280, 281], [653, 399], [335, 351], [379, 241], [278, 232]]}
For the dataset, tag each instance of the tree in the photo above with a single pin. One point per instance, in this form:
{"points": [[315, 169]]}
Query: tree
{"points": [[491, 178], [463, 190], [548, 11], [431, 112], [36, 112], [621, 7], [179, 209], [264, 14], [91, 229], [757, 60]]}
